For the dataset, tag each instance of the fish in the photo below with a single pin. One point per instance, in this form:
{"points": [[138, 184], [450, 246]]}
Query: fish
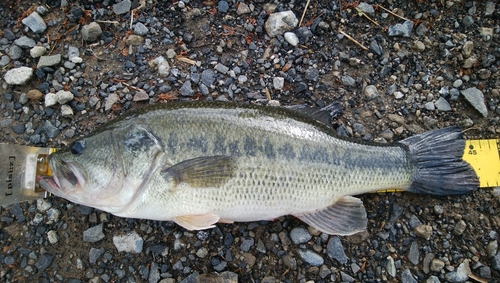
{"points": [[203, 163]]}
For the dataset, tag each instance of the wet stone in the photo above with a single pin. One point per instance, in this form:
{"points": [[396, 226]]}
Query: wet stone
{"points": [[93, 234], [310, 257], [336, 251], [43, 262], [300, 235]]}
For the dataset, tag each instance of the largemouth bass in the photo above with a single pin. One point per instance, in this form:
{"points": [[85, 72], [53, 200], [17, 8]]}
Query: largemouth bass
{"points": [[201, 163]]}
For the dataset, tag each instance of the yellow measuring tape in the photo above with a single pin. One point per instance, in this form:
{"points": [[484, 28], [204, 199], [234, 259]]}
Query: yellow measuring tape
{"points": [[483, 156]]}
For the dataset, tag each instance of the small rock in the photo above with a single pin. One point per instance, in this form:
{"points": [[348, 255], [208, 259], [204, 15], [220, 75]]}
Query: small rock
{"points": [[291, 38], [171, 53], [141, 95], [50, 99], [52, 237], [186, 89], [208, 77], [390, 267], [110, 101], [37, 51], [18, 129], [221, 68], [423, 231], [64, 96], [135, 40], [93, 234], [223, 6], [470, 62], [407, 277], [280, 22], [4, 61], [49, 61], [366, 8], [246, 243], [460, 227], [94, 254], [442, 105], [348, 81], [43, 205], [91, 32], [140, 29], [300, 235], [310, 257], [243, 9], [18, 76], [35, 22], [335, 250], [278, 83], [418, 46], [476, 99], [468, 21], [370, 92], [430, 106], [403, 29], [436, 265], [312, 74], [122, 7], [489, 9], [414, 253], [486, 33], [131, 243], [25, 42], [467, 48], [461, 274], [50, 130], [66, 111], [43, 262]]}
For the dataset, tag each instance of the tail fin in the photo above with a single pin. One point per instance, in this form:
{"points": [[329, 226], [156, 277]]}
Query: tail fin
{"points": [[440, 169]]}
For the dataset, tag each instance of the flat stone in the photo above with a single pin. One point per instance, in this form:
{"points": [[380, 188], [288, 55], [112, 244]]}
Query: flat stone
{"points": [[467, 48], [436, 265], [43, 262], [91, 32], [407, 277], [367, 9], [49, 61], [278, 83], [476, 99], [310, 257], [461, 274], [222, 6], [348, 81], [35, 22], [130, 242], [423, 231], [221, 68], [442, 105], [300, 235], [141, 95], [93, 234], [140, 29], [15, 52], [280, 22], [403, 29], [25, 42], [414, 253], [50, 130], [390, 266], [336, 251], [50, 99], [66, 111], [243, 9], [418, 46], [122, 7], [110, 101], [18, 76], [73, 52], [4, 61], [94, 254], [370, 92]]}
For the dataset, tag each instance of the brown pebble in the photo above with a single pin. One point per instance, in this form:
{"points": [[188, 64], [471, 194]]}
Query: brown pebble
{"points": [[34, 95]]}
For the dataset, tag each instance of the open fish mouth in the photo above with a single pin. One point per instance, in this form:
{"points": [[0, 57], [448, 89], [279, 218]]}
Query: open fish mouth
{"points": [[66, 177]]}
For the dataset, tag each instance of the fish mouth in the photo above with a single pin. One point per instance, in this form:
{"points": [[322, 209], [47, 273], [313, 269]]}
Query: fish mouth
{"points": [[66, 177]]}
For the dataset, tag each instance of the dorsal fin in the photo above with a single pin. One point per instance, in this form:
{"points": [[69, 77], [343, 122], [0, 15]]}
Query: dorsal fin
{"points": [[323, 115]]}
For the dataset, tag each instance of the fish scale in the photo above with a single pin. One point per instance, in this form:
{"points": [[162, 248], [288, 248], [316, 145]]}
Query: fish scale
{"points": [[201, 163]]}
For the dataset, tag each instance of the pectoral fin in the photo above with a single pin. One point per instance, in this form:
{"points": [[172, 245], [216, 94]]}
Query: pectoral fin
{"points": [[202, 172], [345, 217], [197, 222]]}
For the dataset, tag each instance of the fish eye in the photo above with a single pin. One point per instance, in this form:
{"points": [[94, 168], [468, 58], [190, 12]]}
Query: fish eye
{"points": [[77, 147]]}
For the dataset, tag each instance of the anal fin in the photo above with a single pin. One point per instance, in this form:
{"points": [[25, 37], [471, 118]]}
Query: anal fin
{"points": [[198, 221], [345, 217]]}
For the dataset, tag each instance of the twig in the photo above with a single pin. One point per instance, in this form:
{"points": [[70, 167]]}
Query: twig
{"points": [[185, 60], [360, 12], [131, 19], [108, 22], [268, 94], [353, 40], [394, 14], [304, 13]]}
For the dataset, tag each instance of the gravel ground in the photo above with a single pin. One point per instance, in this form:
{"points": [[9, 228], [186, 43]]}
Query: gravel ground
{"points": [[69, 66]]}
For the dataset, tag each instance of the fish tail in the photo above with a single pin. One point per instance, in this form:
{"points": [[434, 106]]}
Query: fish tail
{"points": [[439, 167]]}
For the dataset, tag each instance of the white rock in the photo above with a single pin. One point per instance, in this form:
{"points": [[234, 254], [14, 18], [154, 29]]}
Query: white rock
{"points": [[171, 53], [77, 60], [476, 99], [64, 96], [110, 100], [37, 51], [18, 76], [291, 38], [280, 22], [131, 243], [164, 68], [50, 99], [278, 83], [52, 237], [66, 111]]}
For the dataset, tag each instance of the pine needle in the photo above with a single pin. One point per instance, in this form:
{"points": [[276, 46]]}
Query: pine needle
{"points": [[304, 13], [353, 40]]}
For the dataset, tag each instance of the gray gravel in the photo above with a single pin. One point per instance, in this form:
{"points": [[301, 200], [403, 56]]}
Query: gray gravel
{"points": [[438, 69]]}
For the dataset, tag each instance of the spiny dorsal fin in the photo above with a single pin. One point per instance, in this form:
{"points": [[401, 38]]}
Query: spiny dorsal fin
{"points": [[323, 115], [345, 217], [202, 172]]}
